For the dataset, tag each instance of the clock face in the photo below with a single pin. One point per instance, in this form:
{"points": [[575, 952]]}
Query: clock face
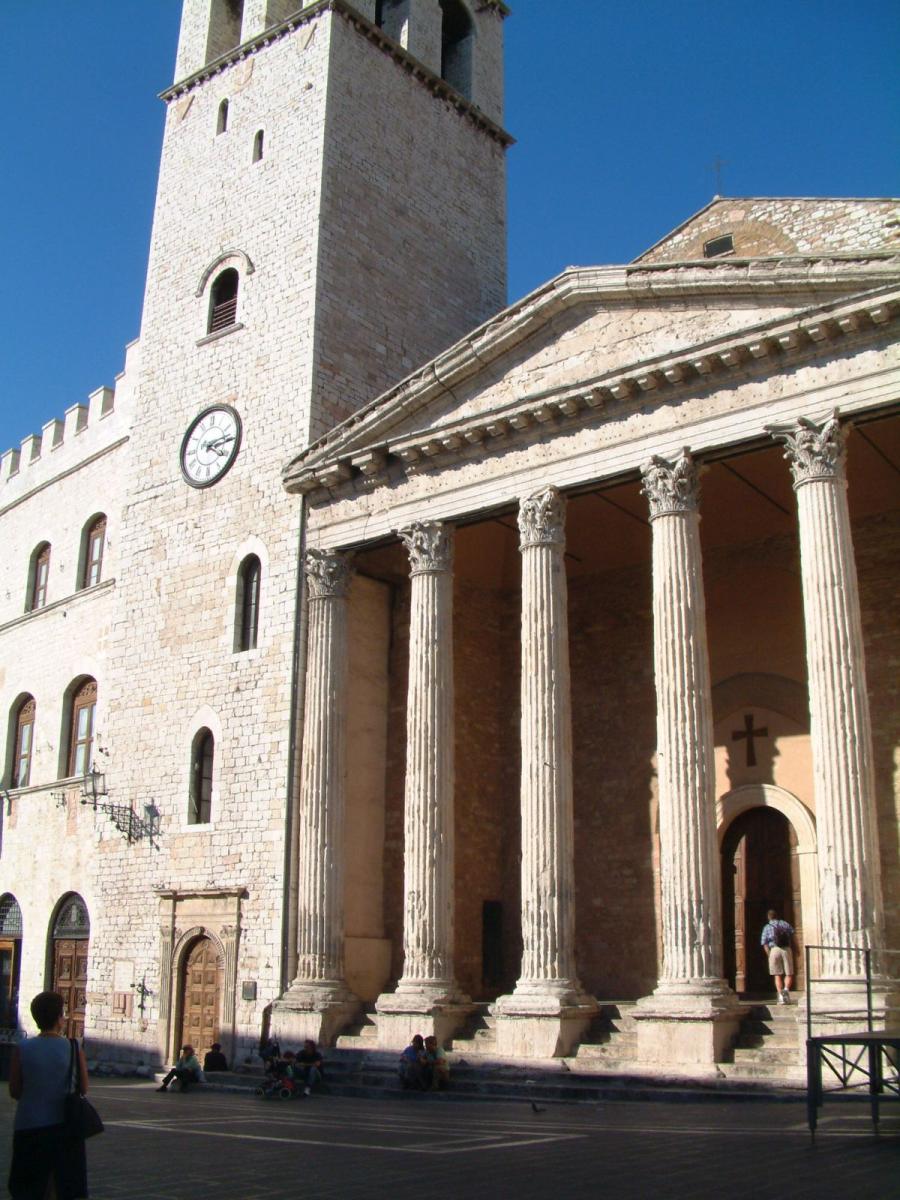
{"points": [[210, 445]]}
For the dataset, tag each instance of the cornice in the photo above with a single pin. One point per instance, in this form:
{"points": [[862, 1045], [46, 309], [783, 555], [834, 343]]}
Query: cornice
{"points": [[439, 87], [35, 614], [331, 469]]}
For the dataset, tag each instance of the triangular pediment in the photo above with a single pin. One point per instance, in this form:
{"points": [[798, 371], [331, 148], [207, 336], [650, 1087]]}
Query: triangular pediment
{"points": [[594, 338]]}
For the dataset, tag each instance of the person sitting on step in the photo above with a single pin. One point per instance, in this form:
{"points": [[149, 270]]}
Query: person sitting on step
{"points": [[186, 1071]]}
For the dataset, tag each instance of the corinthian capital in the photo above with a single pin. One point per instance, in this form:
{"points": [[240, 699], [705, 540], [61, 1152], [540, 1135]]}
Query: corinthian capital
{"points": [[813, 451], [671, 487], [327, 573], [542, 519], [429, 545]]}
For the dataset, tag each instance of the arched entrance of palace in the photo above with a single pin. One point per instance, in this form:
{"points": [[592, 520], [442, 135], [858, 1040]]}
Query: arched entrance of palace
{"points": [[760, 870], [69, 944], [10, 960], [200, 995]]}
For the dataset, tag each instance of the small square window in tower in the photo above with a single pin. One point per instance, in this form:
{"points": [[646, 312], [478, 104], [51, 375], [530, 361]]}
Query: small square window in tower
{"points": [[223, 301]]}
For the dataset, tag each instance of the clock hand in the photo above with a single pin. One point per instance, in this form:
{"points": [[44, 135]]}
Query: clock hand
{"points": [[216, 443]]}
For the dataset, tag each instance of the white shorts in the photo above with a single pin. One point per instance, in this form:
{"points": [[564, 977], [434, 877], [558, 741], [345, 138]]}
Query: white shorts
{"points": [[781, 961]]}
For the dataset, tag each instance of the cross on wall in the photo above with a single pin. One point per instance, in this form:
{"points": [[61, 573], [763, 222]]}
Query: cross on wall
{"points": [[749, 734]]}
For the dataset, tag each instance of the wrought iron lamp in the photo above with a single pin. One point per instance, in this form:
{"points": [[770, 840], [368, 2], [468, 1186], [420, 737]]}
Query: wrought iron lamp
{"points": [[123, 816]]}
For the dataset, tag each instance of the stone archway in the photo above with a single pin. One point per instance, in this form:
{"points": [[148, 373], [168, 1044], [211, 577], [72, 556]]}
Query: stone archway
{"points": [[768, 848]]}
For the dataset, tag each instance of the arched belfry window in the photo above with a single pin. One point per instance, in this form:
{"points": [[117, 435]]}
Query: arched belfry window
{"points": [[392, 16], [247, 608], [202, 758], [39, 577], [222, 118], [457, 37], [225, 20], [24, 742], [223, 299]]}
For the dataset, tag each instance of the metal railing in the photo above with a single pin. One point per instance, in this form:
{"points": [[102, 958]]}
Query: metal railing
{"points": [[848, 981]]}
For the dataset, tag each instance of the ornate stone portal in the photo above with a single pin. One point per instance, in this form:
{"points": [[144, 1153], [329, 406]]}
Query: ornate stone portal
{"points": [[427, 998], [693, 1014], [548, 1011], [318, 1003]]}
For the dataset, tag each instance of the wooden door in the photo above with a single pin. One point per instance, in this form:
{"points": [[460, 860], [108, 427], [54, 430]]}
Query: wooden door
{"points": [[70, 964], [9, 982], [760, 870], [201, 997]]}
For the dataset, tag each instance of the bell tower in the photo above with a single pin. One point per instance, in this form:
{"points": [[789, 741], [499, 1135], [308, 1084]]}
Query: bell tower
{"points": [[330, 215]]}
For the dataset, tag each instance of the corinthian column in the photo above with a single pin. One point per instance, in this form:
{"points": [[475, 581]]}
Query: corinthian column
{"points": [[548, 985], [840, 727], [318, 1002], [428, 987], [690, 984]]}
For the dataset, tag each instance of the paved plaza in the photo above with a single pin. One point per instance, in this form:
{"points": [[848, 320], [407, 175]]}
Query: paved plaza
{"points": [[237, 1147]]}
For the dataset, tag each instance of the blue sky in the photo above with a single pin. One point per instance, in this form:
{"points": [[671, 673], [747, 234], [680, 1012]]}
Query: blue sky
{"points": [[619, 109]]}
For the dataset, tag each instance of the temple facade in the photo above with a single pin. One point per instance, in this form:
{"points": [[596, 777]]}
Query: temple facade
{"points": [[378, 659]]}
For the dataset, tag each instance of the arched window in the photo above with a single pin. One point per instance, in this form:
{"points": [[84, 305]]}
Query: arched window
{"points": [[81, 728], [92, 551], [249, 577], [258, 145], [24, 742], [39, 577], [222, 118], [200, 800], [457, 36], [223, 300]]}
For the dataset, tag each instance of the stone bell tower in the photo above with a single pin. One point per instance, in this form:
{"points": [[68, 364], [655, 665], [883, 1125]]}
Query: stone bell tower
{"points": [[330, 214]]}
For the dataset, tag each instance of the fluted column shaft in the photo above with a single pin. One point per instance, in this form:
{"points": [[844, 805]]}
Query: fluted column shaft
{"points": [[548, 899], [428, 921], [689, 868], [320, 931], [840, 724]]}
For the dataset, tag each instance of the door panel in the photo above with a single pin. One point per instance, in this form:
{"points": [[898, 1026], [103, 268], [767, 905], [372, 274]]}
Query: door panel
{"points": [[202, 995], [70, 968]]}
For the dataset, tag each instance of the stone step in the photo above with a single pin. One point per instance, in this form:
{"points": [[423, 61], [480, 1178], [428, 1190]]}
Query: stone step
{"points": [[771, 1055], [621, 1048]]}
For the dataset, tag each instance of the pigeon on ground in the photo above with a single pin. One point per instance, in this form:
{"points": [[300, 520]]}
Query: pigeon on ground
{"points": [[538, 1108]]}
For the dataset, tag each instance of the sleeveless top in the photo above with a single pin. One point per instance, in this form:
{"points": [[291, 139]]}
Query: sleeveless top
{"points": [[45, 1081]]}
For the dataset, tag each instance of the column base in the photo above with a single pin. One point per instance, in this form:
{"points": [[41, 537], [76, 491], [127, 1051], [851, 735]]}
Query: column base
{"points": [[687, 1023], [310, 1010], [431, 1010], [542, 1021]]}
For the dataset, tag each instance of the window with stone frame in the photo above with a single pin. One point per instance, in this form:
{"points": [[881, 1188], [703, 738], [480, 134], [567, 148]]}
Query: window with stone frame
{"points": [[24, 742], [202, 760], [223, 298], [81, 728], [94, 543], [248, 587], [222, 118], [40, 577]]}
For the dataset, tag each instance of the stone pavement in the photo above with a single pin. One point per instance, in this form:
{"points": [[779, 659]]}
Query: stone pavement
{"points": [[231, 1147]]}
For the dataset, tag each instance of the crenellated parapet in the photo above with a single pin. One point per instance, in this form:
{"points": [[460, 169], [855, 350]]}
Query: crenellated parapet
{"points": [[83, 431]]}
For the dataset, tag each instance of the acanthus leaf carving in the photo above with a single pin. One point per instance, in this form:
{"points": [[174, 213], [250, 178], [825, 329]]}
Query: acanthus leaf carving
{"points": [[542, 519], [328, 574], [814, 452], [671, 486], [429, 545]]}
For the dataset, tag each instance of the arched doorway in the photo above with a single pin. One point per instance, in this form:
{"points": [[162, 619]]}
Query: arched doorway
{"points": [[10, 960], [70, 941], [200, 999], [760, 870]]}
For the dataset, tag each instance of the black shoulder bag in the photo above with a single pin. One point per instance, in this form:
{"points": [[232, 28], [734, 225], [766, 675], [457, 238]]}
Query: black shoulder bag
{"points": [[81, 1119]]}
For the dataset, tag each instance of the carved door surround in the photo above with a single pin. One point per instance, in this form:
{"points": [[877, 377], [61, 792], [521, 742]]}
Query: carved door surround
{"points": [[186, 917], [750, 796]]}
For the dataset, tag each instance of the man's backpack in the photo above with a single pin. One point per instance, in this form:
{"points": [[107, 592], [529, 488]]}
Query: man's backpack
{"points": [[782, 937]]}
